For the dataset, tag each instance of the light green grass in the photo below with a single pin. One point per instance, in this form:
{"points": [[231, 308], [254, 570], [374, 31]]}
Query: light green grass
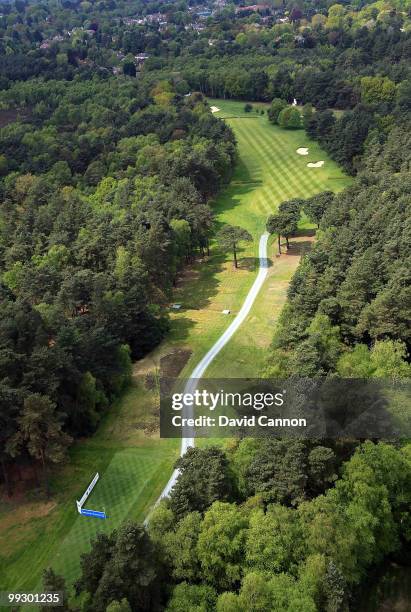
{"points": [[268, 172], [134, 466]]}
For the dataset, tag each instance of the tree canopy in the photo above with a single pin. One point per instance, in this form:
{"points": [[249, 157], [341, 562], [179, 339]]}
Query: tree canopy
{"points": [[230, 237]]}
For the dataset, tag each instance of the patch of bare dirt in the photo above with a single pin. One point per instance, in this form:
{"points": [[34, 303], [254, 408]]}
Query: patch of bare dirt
{"points": [[190, 272], [172, 363], [299, 248], [22, 478], [26, 512]]}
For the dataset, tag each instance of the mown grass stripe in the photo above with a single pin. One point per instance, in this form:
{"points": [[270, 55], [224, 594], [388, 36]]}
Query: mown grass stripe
{"points": [[257, 144], [297, 183]]}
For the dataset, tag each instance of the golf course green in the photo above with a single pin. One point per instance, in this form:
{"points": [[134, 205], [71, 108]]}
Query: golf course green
{"points": [[133, 462]]}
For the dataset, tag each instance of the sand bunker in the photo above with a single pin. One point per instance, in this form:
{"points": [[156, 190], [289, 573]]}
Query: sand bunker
{"points": [[315, 164], [214, 109], [302, 151]]}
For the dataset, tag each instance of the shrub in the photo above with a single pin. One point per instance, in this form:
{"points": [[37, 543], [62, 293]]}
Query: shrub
{"points": [[290, 118]]}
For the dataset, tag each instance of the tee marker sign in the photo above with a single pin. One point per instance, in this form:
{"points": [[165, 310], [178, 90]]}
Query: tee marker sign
{"points": [[80, 503]]}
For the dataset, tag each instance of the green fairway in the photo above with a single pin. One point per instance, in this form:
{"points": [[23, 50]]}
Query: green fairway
{"points": [[269, 169], [133, 462], [134, 466], [268, 172]]}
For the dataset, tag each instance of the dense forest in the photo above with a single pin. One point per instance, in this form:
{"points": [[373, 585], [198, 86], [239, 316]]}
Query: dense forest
{"points": [[349, 302], [266, 525], [109, 158], [104, 198]]}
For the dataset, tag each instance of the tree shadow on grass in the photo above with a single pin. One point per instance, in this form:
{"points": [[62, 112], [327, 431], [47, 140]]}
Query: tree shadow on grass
{"points": [[230, 198], [248, 263], [198, 284], [181, 327], [241, 172], [252, 263], [246, 183], [297, 249], [305, 232]]}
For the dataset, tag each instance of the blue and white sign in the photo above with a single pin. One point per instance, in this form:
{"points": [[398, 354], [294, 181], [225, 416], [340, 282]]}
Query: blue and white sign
{"points": [[93, 513], [80, 502]]}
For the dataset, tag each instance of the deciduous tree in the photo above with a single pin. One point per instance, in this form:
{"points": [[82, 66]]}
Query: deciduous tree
{"points": [[204, 478]]}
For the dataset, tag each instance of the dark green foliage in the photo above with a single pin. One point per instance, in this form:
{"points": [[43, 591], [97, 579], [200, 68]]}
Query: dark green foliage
{"points": [[346, 143], [345, 513], [94, 562], [316, 206], [322, 467], [123, 565], [283, 471], [307, 114], [285, 222], [40, 431], [278, 472], [104, 185], [205, 477], [292, 207], [189, 597], [356, 276], [286, 558], [129, 68], [286, 471], [105, 199], [229, 238], [290, 118], [335, 589], [10, 403], [277, 105], [342, 138], [53, 583]]}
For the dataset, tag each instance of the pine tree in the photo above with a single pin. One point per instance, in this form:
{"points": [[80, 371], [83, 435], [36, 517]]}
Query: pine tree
{"points": [[54, 583], [40, 430]]}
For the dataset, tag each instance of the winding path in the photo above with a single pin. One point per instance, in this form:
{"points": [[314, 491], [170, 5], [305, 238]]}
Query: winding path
{"points": [[200, 369]]}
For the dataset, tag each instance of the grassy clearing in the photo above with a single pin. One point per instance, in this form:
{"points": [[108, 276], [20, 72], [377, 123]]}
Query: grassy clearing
{"points": [[268, 172], [133, 462], [134, 466], [269, 169]]}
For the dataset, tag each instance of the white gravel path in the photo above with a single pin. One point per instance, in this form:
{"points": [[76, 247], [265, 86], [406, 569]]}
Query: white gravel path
{"points": [[200, 369]]}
